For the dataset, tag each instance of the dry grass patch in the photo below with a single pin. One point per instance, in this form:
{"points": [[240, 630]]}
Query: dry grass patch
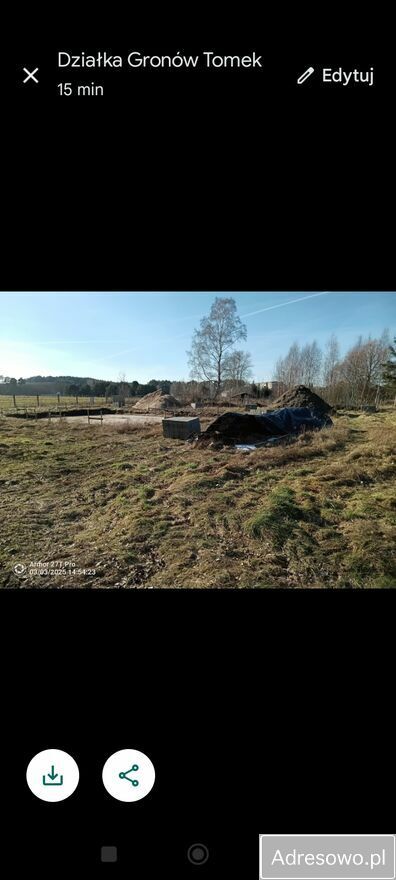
{"points": [[148, 512]]}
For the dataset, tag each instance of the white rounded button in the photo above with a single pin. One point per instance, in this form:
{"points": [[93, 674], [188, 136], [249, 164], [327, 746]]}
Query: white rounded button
{"points": [[52, 775], [128, 775]]}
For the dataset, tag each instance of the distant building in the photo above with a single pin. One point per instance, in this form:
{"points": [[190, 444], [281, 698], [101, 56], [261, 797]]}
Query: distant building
{"points": [[273, 386], [237, 395], [5, 380], [241, 395]]}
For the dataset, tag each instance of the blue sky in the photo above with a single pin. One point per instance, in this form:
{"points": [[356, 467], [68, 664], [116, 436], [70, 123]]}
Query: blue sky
{"points": [[146, 335]]}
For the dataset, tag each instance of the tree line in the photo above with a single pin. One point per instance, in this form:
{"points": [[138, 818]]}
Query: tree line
{"points": [[75, 386], [365, 374], [121, 388]]}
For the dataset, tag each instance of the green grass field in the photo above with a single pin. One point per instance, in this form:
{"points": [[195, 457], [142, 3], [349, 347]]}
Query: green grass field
{"points": [[144, 512], [45, 402]]}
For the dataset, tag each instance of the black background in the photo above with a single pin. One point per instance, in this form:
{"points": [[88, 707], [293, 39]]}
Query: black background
{"points": [[262, 711]]}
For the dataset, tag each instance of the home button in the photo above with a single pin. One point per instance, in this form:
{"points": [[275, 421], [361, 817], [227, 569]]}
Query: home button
{"points": [[198, 854]]}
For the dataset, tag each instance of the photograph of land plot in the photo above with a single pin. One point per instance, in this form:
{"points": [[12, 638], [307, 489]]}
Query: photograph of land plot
{"points": [[261, 456]]}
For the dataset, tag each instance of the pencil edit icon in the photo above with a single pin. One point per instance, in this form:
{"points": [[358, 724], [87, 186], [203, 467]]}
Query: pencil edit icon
{"points": [[304, 76]]}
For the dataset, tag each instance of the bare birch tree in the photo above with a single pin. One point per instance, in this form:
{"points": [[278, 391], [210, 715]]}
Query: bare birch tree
{"points": [[237, 367], [211, 344]]}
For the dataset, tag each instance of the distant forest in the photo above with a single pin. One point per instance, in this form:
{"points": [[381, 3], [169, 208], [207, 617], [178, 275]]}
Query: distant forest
{"points": [[82, 385]]}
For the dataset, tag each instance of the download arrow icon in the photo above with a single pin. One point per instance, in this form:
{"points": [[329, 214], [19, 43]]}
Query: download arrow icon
{"points": [[53, 776]]}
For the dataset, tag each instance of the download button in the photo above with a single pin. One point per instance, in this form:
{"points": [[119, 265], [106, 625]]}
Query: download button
{"points": [[52, 775]]}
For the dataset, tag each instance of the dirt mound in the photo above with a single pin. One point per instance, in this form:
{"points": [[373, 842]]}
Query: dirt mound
{"points": [[156, 401], [232, 427], [301, 396]]}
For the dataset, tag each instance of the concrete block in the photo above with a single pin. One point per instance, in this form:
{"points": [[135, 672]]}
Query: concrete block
{"points": [[180, 428]]}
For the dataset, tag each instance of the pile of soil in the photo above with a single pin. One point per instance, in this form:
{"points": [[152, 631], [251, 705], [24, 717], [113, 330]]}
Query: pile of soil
{"points": [[299, 396], [156, 401], [232, 428]]}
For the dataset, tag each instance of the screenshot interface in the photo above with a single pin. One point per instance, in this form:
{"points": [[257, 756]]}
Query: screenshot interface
{"points": [[197, 454]]}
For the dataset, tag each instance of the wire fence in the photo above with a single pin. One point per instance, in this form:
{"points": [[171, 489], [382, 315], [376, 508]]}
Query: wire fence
{"points": [[36, 402]]}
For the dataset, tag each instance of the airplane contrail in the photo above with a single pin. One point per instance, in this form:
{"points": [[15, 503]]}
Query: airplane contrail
{"points": [[248, 315], [288, 303]]}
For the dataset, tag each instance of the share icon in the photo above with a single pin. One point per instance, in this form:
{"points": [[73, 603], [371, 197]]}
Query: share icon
{"points": [[124, 775]]}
